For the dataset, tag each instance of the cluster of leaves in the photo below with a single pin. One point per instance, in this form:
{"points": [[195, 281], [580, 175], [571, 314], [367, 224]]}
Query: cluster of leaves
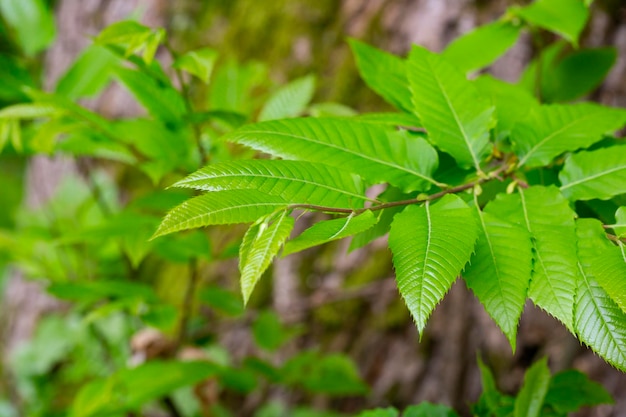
{"points": [[532, 167], [480, 181], [90, 243]]}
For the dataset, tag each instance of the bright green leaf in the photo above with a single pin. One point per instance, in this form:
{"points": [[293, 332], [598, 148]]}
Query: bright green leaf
{"points": [[597, 174], [220, 207], [260, 245], [564, 17], [456, 117], [500, 270], [620, 222], [89, 73], [384, 73], [329, 230], [609, 268], [482, 46], [289, 100], [430, 245], [531, 397], [551, 130], [199, 62], [32, 21], [371, 151], [598, 320], [546, 215], [427, 409], [294, 181]]}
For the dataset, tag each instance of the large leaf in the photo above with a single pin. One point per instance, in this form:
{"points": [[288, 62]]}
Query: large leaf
{"points": [[609, 268], [546, 215], [552, 130], [384, 73], [220, 207], [89, 74], [530, 398], [292, 180], [482, 46], [329, 230], [290, 100], [430, 245], [596, 174], [500, 270], [455, 115], [260, 245], [369, 150], [598, 320], [564, 17]]}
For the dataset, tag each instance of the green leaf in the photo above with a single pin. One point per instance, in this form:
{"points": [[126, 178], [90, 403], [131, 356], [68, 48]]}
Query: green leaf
{"points": [[513, 103], [609, 268], [32, 21], [491, 399], [393, 119], [329, 230], [199, 62], [430, 245], [220, 207], [576, 74], [331, 109], [222, 300], [384, 73], [482, 46], [598, 320], [500, 270], [570, 390], [290, 100], [563, 17], [269, 332], [294, 181], [546, 215], [456, 117], [162, 101], [380, 412], [260, 245], [89, 74], [134, 37], [620, 222], [597, 174], [531, 397], [368, 150], [427, 409], [30, 111], [551, 130], [233, 85]]}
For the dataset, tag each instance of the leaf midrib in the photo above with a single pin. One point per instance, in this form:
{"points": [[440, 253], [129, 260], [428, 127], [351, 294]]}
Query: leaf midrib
{"points": [[593, 177], [189, 184], [551, 136], [349, 151], [454, 113]]}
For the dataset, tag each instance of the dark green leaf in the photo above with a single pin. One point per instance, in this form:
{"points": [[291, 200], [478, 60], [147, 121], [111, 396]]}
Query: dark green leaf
{"points": [[571, 390], [531, 397], [32, 21]]}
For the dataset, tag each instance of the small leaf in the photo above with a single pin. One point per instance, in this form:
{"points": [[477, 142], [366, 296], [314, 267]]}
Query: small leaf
{"points": [[500, 270], [552, 130], [379, 412], [531, 397], [30, 111], [289, 100], [199, 62], [223, 300], [220, 207], [294, 181], [482, 46], [269, 332], [456, 117], [384, 73], [371, 151], [260, 245], [570, 390], [620, 219], [597, 174], [329, 230], [430, 247], [564, 17]]}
